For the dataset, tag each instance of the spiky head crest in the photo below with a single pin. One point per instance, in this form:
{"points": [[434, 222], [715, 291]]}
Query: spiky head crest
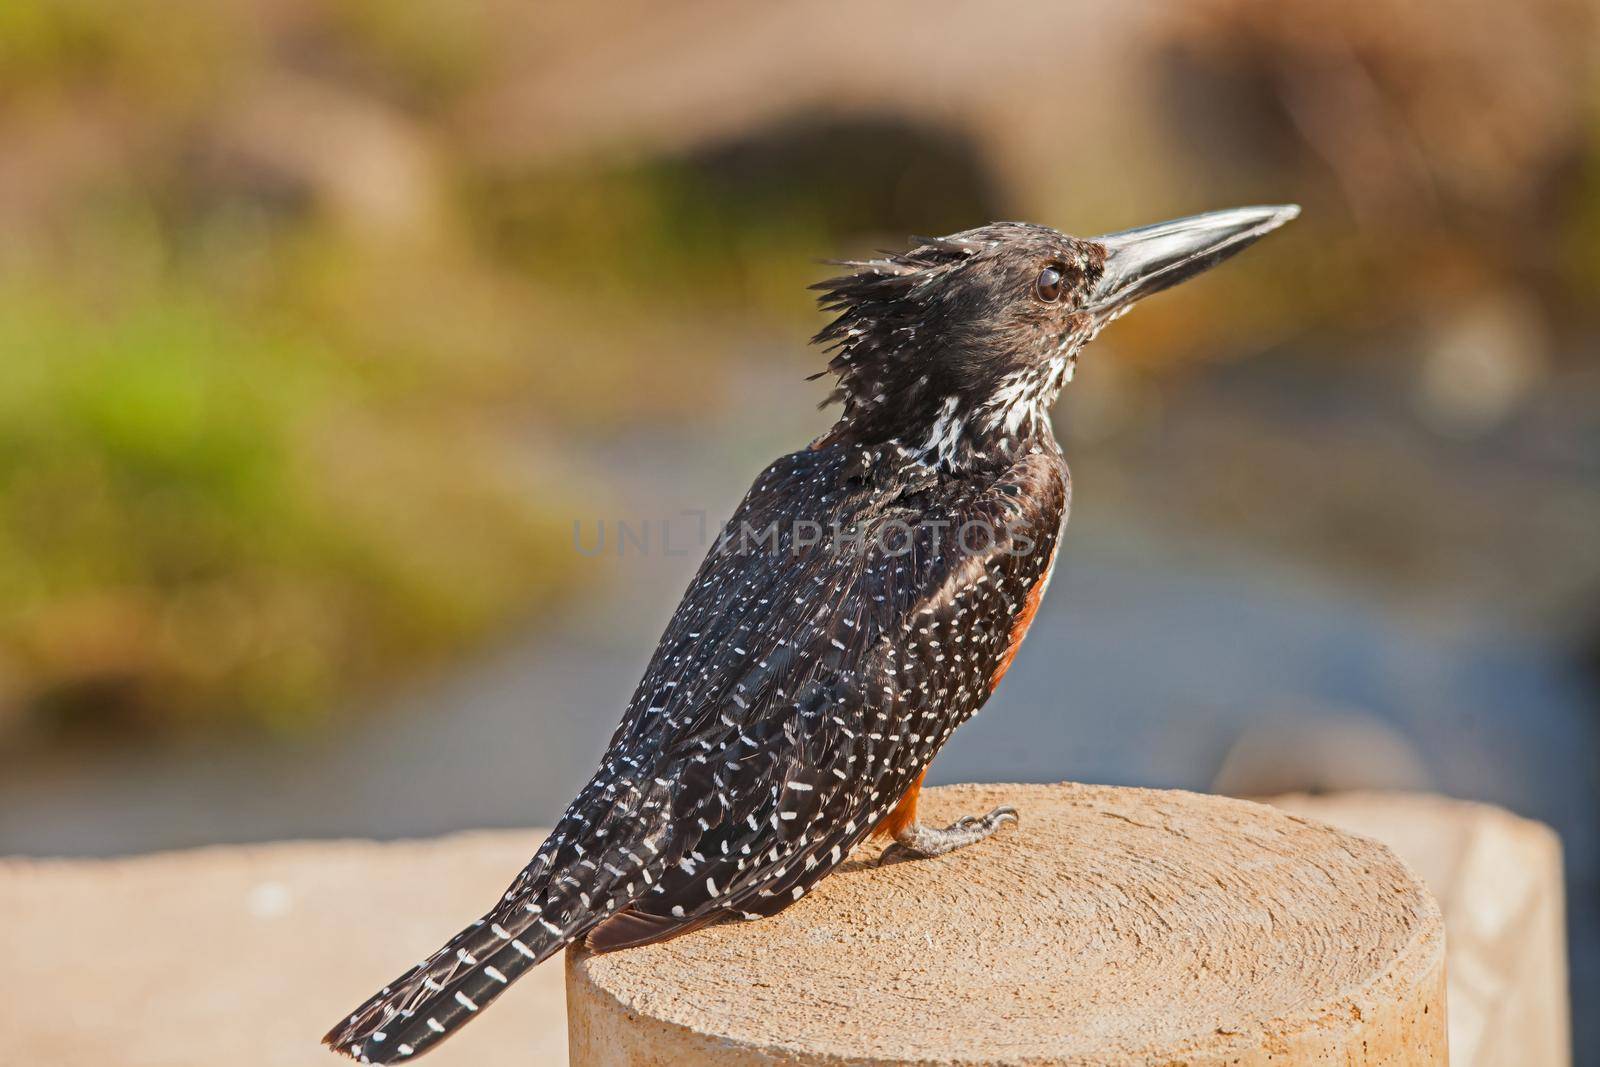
{"points": [[957, 347]]}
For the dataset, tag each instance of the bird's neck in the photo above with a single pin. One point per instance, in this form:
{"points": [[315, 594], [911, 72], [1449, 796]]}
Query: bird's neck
{"points": [[953, 397], [958, 431]]}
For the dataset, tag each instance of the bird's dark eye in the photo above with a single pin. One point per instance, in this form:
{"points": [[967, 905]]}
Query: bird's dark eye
{"points": [[1049, 286]]}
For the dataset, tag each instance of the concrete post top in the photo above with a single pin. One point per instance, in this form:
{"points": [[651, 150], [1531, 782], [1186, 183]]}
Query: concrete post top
{"points": [[1113, 926]]}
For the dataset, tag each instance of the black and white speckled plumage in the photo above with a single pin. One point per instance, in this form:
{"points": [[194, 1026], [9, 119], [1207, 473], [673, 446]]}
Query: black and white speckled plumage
{"points": [[860, 606]]}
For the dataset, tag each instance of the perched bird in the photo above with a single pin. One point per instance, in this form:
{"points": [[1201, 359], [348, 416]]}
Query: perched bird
{"points": [[864, 600]]}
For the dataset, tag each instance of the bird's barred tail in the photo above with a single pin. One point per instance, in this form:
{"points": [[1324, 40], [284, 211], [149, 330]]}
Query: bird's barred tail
{"points": [[445, 991]]}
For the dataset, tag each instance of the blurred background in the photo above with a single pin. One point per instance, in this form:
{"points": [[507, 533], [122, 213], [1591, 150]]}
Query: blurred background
{"points": [[340, 341]]}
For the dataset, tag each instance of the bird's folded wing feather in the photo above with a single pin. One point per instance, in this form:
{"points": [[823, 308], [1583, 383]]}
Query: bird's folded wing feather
{"points": [[792, 699]]}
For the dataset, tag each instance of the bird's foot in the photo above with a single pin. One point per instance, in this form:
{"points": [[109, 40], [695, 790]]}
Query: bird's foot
{"points": [[919, 842]]}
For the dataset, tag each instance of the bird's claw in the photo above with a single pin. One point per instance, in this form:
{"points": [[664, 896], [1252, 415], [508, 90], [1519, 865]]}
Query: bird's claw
{"points": [[992, 821], [921, 842]]}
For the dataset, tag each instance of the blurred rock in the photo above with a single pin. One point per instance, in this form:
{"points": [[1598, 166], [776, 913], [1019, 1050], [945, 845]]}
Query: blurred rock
{"points": [[366, 165], [1481, 360], [1407, 105], [1319, 751]]}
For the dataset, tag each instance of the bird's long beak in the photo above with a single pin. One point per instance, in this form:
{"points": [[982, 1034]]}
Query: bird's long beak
{"points": [[1152, 258]]}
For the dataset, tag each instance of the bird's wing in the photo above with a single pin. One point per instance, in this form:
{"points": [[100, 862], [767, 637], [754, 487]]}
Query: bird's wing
{"points": [[806, 681]]}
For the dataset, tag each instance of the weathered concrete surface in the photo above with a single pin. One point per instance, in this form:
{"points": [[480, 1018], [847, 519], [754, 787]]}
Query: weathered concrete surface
{"points": [[245, 956], [1116, 926]]}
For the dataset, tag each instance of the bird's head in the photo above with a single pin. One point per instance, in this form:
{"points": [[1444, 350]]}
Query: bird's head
{"points": [[958, 346]]}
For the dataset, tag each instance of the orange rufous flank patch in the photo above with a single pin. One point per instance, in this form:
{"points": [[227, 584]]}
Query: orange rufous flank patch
{"points": [[1019, 627], [904, 813]]}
